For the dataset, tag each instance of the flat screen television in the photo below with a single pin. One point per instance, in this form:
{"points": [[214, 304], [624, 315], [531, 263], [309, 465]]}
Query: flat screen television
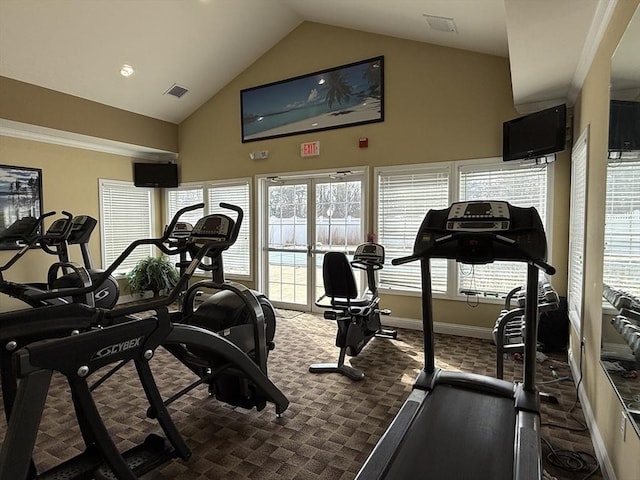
{"points": [[156, 175], [535, 135], [624, 126]]}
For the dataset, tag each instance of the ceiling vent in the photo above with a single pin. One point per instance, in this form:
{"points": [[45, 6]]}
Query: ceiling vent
{"points": [[443, 24], [176, 90]]}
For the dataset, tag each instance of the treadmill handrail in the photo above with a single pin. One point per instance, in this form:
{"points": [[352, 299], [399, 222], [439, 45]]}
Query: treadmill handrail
{"points": [[540, 264]]}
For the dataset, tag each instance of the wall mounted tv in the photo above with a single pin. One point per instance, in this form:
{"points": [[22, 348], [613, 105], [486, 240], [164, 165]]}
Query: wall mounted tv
{"points": [[156, 175], [624, 126], [535, 135]]}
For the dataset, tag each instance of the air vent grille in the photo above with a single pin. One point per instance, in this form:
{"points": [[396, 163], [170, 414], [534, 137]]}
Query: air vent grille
{"points": [[176, 90], [443, 24]]}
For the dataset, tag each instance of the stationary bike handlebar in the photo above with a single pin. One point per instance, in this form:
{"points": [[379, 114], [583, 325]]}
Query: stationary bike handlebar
{"points": [[365, 264]]}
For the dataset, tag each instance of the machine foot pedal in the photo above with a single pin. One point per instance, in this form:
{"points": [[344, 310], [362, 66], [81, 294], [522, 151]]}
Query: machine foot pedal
{"points": [[152, 453], [346, 370], [386, 333], [80, 466]]}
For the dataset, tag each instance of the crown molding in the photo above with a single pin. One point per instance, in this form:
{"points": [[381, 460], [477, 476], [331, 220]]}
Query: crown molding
{"points": [[36, 133]]}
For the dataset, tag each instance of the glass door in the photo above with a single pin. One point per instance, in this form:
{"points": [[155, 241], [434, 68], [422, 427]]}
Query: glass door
{"points": [[305, 218]]}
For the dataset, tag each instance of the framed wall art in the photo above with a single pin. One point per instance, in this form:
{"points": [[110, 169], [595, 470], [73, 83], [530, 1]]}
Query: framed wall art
{"points": [[339, 97], [20, 197]]}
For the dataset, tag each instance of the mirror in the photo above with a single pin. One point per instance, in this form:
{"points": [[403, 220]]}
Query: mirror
{"points": [[620, 354]]}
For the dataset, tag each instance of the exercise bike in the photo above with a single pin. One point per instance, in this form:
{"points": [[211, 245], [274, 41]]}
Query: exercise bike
{"points": [[358, 318]]}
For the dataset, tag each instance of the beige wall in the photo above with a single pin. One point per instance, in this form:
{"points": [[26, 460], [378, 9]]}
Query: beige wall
{"points": [[592, 110], [441, 104], [25, 103], [69, 182]]}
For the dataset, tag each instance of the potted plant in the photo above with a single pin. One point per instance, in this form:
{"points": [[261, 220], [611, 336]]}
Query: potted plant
{"points": [[153, 273]]}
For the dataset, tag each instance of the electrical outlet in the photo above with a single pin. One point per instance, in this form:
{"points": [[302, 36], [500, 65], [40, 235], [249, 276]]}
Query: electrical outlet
{"points": [[623, 425]]}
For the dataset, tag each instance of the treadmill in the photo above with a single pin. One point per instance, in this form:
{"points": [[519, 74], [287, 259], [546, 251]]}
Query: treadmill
{"points": [[457, 425]]}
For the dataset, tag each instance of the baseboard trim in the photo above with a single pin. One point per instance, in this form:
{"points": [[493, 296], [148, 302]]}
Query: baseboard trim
{"points": [[606, 466], [440, 327]]}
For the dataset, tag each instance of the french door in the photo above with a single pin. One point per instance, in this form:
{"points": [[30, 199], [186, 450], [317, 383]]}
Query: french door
{"points": [[304, 218]]}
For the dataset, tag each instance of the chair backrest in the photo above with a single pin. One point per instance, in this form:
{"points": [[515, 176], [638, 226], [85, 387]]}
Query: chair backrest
{"points": [[338, 276]]}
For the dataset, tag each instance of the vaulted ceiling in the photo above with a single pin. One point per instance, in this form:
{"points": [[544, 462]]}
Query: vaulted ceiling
{"points": [[78, 46]]}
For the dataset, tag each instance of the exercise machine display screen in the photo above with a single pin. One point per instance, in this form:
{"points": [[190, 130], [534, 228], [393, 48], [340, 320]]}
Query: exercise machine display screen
{"points": [[215, 227], [479, 216], [369, 252]]}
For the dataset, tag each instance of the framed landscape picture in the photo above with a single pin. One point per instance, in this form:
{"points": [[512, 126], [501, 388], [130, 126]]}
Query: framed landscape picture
{"points": [[339, 97], [20, 197]]}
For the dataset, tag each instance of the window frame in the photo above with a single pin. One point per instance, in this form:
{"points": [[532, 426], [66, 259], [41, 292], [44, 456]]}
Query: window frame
{"points": [[455, 168]]}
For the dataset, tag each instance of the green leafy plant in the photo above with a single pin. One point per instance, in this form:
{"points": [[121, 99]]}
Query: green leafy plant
{"points": [[153, 273]]}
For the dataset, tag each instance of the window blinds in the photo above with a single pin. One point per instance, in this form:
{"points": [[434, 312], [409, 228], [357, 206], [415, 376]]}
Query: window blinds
{"points": [[403, 200], [576, 228], [521, 186], [622, 226], [126, 213], [237, 258]]}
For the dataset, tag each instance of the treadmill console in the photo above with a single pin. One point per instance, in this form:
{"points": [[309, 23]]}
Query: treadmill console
{"points": [[482, 232], [479, 216]]}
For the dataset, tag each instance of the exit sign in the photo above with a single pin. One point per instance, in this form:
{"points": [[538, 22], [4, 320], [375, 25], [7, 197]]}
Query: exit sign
{"points": [[310, 149]]}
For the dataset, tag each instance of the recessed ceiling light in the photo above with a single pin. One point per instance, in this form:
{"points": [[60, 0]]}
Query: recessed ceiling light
{"points": [[126, 70]]}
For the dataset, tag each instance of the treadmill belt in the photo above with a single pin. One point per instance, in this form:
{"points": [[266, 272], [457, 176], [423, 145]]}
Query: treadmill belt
{"points": [[458, 435]]}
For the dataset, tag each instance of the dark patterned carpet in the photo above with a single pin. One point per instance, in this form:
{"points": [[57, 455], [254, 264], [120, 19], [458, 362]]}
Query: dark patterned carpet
{"points": [[332, 422]]}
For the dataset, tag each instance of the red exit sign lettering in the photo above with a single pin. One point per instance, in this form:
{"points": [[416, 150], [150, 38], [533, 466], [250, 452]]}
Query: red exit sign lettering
{"points": [[310, 149]]}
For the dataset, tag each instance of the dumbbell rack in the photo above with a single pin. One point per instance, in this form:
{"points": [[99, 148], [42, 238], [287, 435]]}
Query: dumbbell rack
{"points": [[509, 330], [627, 322]]}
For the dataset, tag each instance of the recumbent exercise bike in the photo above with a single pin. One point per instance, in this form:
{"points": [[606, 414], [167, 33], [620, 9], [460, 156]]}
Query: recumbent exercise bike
{"points": [[358, 318]]}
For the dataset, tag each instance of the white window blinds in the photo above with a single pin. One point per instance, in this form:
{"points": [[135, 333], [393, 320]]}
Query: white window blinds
{"points": [[185, 197], [404, 197], [521, 186], [577, 210], [126, 214], [622, 226], [237, 260]]}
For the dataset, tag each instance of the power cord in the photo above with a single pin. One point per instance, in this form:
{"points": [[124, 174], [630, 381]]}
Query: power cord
{"points": [[572, 461], [565, 459]]}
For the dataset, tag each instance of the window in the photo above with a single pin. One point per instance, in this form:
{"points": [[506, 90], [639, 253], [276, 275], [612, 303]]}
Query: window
{"points": [[126, 214], [622, 225], [522, 186], [404, 197], [579, 155], [237, 260], [405, 194]]}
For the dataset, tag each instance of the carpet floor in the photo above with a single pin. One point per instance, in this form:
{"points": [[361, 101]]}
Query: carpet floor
{"points": [[332, 423]]}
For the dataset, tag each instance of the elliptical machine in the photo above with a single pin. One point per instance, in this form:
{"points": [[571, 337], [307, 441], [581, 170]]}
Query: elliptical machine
{"points": [[102, 337], [224, 312], [62, 274], [358, 318]]}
